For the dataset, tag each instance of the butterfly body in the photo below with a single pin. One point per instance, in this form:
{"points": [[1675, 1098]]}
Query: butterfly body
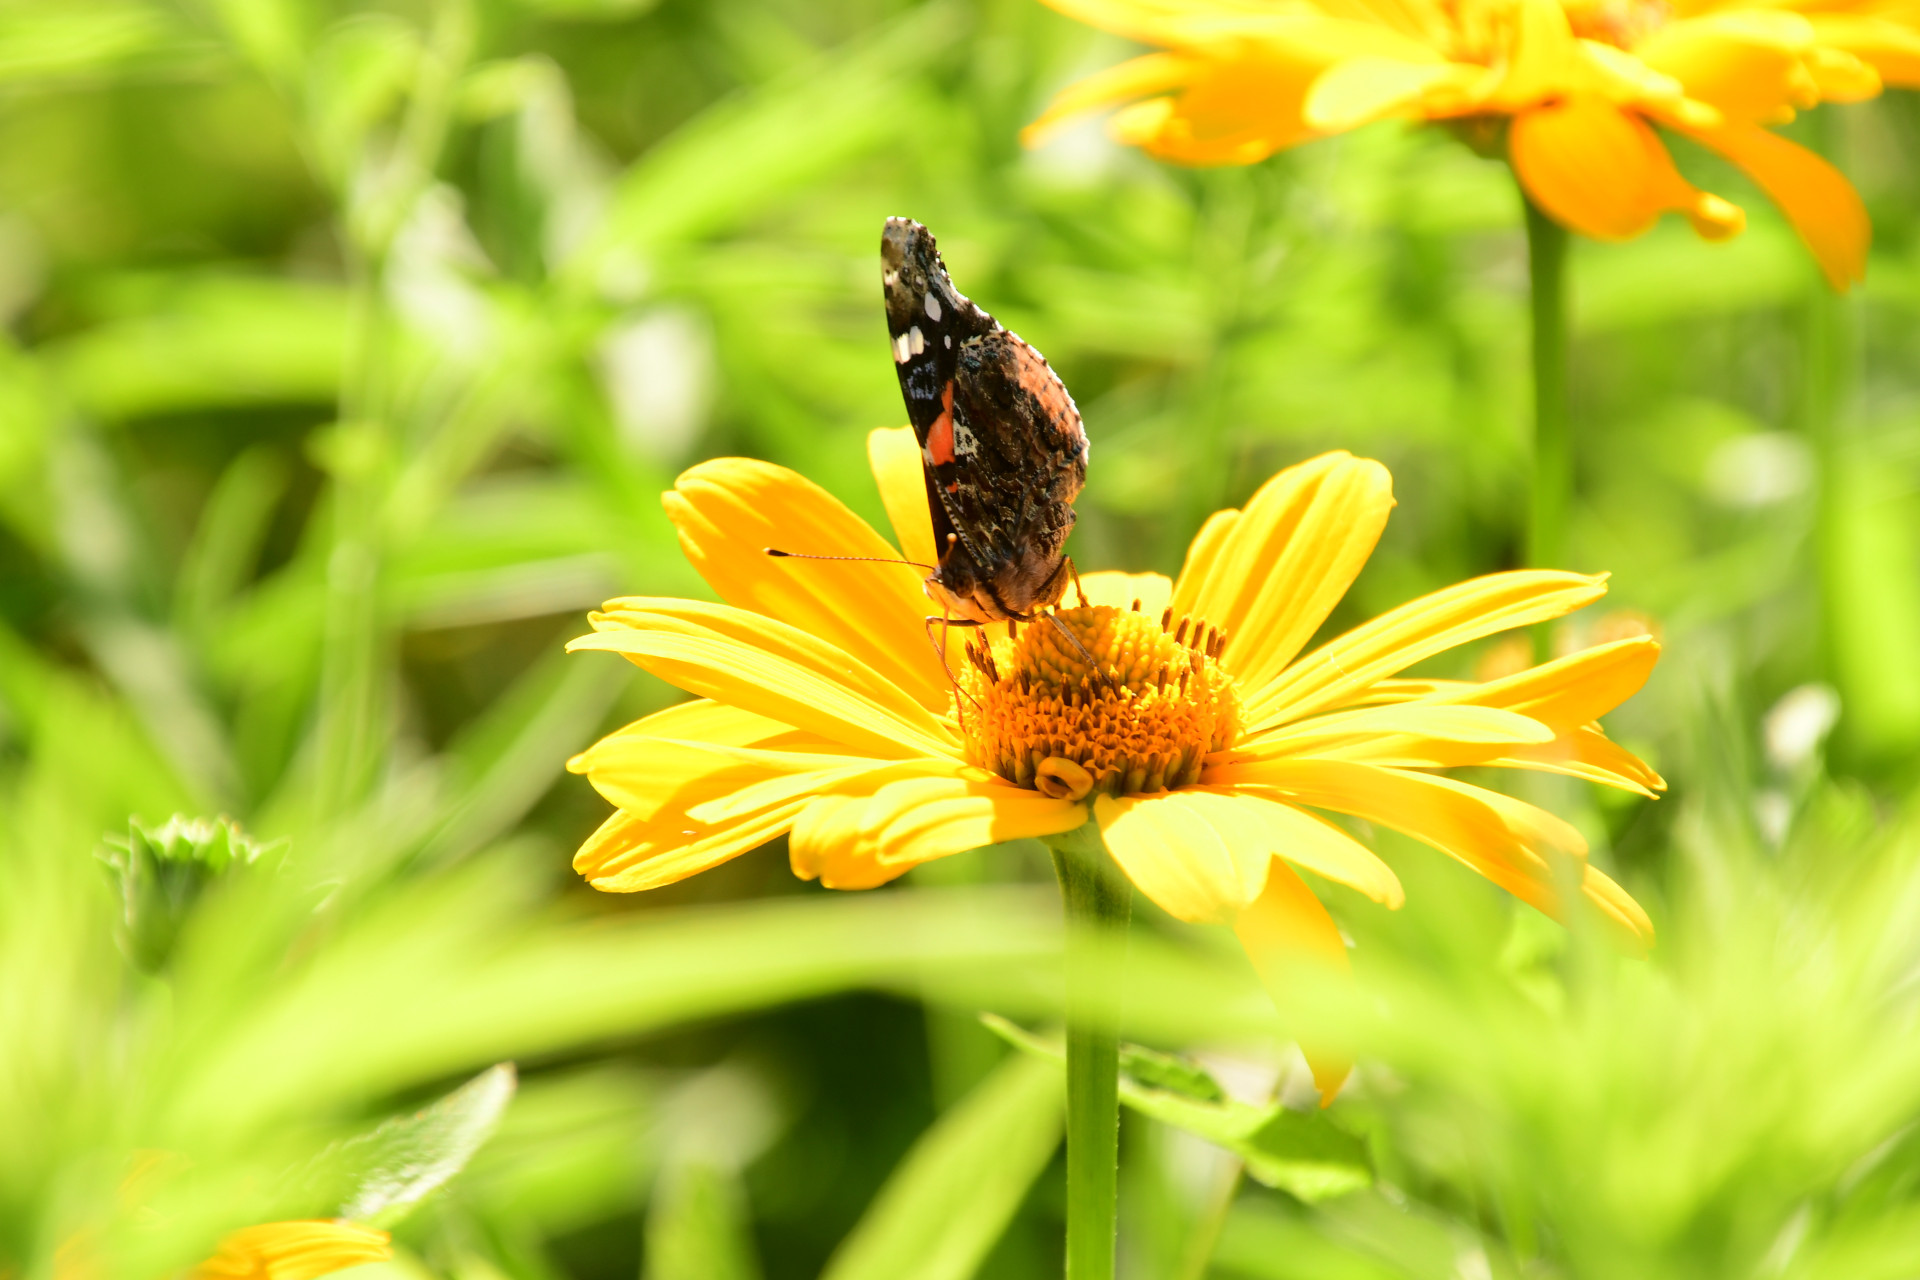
{"points": [[1001, 442]]}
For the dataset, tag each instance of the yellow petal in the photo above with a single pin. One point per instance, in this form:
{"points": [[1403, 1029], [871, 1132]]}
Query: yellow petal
{"points": [[894, 457], [730, 510], [1505, 840], [657, 841], [1545, 60], [1203, 555], [1603, 172], [295, 1251], [1417, 630], [1816, 197], [1588, 754], [1843, 77], [772, 669], [1297, 950], [1310, 841], [701, 719], [1405, 735], [857, 837], [1140, 77], [1569, 691], [1120, 590], [1270, 577], [1618, 909], [1195, 853], [794, 777], [1890, 48], [641, 774], [1361, 90], [1748, 64]]}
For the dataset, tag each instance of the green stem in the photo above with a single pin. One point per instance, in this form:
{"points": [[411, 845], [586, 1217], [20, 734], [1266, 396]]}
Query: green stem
{"points": [[1552, 445], [1826, 385], [1098, 903]]}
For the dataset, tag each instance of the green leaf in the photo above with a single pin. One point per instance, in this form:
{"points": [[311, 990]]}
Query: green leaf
{"points": [[729, 162], [1305, 1155], [950, 1200], [405, 1159], [206, 342]]}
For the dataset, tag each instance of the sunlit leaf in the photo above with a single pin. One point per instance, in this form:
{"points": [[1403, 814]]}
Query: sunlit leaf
{"points": [[1305, 1155]]}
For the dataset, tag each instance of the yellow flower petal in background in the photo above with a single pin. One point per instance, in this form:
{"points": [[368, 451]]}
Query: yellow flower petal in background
{"points": [[1543, 59], [294, 1251], [1142, 77], [1362, 90], [1603, 172], [1581, 84], [1891, 48], [730, 510], [1295, 947], [1819, 201], [1750, 64]]}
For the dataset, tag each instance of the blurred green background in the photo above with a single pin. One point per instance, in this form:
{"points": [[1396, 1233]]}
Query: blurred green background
{"points": [[347, 351]]}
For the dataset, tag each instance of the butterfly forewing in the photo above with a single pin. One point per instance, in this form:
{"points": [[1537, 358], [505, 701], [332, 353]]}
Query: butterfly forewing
{"points": [[1001, 443]]}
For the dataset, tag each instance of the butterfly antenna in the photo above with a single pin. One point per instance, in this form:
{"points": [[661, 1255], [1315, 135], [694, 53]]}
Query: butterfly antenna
{"points": [[778, 554]]}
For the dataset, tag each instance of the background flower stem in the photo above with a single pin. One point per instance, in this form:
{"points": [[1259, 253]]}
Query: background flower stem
{"points": [[1098, 903], [1552, 447]]}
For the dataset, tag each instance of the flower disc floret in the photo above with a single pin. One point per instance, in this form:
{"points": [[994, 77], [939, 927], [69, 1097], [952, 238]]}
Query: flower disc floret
{"points": [[1139, 718]]}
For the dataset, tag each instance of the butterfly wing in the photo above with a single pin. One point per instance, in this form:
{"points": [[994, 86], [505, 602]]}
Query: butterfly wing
{"points": [[1001, 443]]}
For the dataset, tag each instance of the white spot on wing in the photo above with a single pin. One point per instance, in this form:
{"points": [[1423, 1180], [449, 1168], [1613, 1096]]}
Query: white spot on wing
{"points": [[916, 341], [948, 339], [963, 440], [933, 306], [900, 352]]}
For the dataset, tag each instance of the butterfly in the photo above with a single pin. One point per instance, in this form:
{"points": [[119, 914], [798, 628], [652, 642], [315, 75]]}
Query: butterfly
{"points": [[1001, 442]]}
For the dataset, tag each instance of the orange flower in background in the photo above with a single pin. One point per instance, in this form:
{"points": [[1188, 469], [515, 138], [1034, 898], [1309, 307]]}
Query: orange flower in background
{"points": [[1201, 740], [1579, 84]]}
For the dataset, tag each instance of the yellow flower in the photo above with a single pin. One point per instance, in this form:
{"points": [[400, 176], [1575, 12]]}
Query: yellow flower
{"points": [[301, 1250], [1580, 85], [1205, 744]]}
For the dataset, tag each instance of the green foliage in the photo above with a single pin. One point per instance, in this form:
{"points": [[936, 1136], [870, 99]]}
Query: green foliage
{"points": [[348, 350]]}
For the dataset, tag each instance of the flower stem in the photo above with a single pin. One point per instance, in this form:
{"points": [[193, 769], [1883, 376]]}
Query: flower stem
{"points": [[1098, 903], [1552, 445]]}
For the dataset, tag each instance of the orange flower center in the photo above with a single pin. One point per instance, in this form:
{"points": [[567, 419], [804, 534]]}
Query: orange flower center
{"points": [[1140, 717]]}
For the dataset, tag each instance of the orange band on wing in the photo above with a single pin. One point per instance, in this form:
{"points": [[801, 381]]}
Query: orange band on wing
{"points": [[940, 436]]}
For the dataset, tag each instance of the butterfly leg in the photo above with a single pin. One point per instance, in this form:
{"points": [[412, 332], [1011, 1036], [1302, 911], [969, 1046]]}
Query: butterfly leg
{"points": [[1074, 573], [947, 622]]}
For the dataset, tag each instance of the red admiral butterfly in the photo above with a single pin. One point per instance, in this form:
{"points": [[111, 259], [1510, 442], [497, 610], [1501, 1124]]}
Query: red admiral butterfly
{"points": [[1001, 443]]}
